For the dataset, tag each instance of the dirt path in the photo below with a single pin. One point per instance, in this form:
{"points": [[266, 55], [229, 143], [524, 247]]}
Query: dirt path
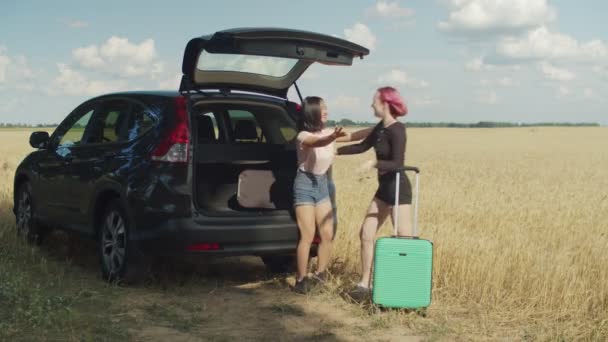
{"points": [[234, 299], [223, 299]]}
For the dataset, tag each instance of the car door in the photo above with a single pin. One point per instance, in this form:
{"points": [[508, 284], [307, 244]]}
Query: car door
{"points": [[112, 129], [109, 156], [265, 60], [53, 167]]}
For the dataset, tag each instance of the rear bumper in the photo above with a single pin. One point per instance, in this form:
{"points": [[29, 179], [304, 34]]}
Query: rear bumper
{"points": [[233, 236]]}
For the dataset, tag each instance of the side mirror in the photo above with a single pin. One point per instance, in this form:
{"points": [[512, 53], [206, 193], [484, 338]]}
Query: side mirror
{"points": [[39, 139]]}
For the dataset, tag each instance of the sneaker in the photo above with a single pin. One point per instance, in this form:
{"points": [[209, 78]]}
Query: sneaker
{"points": [[302, 286], [360, 293]]}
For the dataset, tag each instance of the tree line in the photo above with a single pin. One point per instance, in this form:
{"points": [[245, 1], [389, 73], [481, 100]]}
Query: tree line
{"points": [[480, 124], [351, 123], [25, 125]]}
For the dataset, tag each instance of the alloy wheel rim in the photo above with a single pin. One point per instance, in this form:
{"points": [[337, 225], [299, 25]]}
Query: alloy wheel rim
{"points": [[24, 213], [113, 242]]}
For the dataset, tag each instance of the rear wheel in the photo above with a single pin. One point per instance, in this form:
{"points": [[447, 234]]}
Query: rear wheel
{"points": [[279, 263], [115, 250], [27, 227]]}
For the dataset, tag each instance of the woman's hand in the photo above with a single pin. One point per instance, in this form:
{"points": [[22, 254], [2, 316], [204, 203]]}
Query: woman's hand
{"points": [[338, 133]]}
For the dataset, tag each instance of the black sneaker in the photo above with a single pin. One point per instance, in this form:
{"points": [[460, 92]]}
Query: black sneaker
{"points": [[360, 293], [302, 286]]}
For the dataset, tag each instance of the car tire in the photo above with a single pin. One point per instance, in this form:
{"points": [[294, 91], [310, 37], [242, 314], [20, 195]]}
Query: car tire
{"points": [[116, 251], [27, 227], [279, 263]]}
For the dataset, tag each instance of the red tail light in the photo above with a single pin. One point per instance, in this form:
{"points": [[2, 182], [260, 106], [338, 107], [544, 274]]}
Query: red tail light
{"points": [[173, 148], [203, 247]]}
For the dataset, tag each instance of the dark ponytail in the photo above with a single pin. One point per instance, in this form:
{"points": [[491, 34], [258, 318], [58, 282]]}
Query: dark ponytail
{"points": [[310, 117]]}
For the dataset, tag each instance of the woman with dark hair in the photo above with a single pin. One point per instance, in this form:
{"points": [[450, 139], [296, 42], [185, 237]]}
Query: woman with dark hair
{"points": [[388, 139], [312, 203]]}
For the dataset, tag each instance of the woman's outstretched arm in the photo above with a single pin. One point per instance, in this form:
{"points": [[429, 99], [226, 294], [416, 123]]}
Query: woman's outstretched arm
{"points": [[361, 147], [356, 136], [312, 140]]}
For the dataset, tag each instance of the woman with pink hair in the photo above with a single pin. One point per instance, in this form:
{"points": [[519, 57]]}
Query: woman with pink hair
{"points": [[388, 139]]}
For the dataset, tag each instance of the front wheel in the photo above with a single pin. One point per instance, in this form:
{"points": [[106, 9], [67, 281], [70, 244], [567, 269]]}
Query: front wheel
{"points": [[114, 247], [27, 227]]}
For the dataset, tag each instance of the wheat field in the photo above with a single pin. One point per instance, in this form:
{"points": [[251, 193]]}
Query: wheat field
{"points": [[518, 217]]}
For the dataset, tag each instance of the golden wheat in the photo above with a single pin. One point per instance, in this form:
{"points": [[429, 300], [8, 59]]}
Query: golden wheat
{"points": [[518, 218]]}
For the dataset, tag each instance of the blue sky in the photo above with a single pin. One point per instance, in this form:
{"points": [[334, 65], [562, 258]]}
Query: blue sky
{"points": [[453, 60]]}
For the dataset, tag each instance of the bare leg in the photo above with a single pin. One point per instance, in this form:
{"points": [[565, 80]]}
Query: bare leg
{"points": [[376, 214], [305, 216], [405, 220], [325, 224]]}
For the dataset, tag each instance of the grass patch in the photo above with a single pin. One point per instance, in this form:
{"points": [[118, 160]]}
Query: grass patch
{"points": [[41, 300], [169, 317]]}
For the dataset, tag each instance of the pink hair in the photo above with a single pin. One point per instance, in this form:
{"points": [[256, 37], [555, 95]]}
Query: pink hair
{"points": [[395, 102]]}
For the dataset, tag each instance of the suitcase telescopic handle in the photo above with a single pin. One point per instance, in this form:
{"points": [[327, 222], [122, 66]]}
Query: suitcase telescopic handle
{"points": [[409, 168], [396, 206]]}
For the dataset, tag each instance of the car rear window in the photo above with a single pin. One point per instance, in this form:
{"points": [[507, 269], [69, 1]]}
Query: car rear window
{"points": [[261, 65]]}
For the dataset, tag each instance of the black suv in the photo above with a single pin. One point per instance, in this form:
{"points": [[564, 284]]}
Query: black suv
{"points": [[158, 172]]}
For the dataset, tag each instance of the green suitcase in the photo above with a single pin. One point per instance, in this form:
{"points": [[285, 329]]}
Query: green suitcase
{"points": [[403, 266]]}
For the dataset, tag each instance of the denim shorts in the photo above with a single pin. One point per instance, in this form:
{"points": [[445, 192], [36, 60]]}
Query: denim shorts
{"points": [[310, 189]]}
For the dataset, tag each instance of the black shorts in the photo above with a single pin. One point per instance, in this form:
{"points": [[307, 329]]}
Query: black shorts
{"points": [[386, 188]]}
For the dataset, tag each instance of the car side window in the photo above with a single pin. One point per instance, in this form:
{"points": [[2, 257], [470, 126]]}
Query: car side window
{"points": [[140, 122], [110, 122], [75, 134]]}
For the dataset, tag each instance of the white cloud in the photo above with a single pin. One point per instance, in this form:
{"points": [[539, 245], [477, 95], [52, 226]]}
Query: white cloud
{"points": [[14, 71], [344, 103], [361, 35], [74, 23], [72, 82], [77, 24], [11, 105], [477, 64], [487, 97], [506, 82], [497, 15], [423, 101], [170, 83], [399, 77], [5, 62], [119, 56], [502, 81], [601, 70], [588, 93], [562, 91], [22, 68], [88, 57], [541, 43], [554, 73], [386, 9]]}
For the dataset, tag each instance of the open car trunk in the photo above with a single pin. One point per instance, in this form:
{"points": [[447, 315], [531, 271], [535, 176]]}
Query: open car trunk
{"points": [[236, 142], [263, 60]]}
